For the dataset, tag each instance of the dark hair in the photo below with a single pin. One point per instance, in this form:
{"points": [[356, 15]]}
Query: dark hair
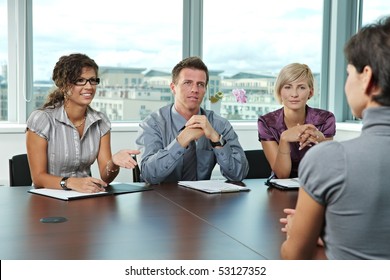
{"points": [[192, 62], [371, 47], [66, 71]]}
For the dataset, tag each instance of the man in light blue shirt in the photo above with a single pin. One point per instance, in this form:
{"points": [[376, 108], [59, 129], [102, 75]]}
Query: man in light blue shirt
{"points": [[184, 141]]}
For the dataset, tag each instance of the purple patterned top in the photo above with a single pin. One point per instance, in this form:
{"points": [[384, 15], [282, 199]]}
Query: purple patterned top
{"points": [[271, 126]]}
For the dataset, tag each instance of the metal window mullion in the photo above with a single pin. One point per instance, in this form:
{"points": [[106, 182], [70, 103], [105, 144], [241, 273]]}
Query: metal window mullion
{"points": [[192, 28], [344, 17], [19, 40]]}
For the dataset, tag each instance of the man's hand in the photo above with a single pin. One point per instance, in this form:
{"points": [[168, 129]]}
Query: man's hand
{"points": [[189, 134], [201, 122]]}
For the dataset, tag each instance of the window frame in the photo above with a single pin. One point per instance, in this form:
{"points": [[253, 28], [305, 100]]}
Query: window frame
{"points": [[341, 20]]}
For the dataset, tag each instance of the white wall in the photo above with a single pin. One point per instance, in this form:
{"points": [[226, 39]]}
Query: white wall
{"points": [[12, 141]]}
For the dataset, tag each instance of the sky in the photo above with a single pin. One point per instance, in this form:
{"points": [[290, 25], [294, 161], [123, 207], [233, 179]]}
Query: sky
{"points": [[244, 35], [3, 32]]}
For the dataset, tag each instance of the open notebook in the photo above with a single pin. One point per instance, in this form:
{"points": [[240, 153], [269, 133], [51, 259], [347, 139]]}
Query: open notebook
{"points": [[112, 189], [212, 186]]}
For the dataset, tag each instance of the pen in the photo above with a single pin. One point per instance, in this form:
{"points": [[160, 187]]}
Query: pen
{"points": [[100, 186]]}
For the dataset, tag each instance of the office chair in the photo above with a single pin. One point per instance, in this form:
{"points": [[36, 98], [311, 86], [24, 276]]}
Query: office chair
{"points": [[19, 171], [136, 172], [258, 164]]}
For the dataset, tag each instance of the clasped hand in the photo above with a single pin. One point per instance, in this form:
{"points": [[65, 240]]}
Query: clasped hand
{"points": [[196, 127], [306, 135]]}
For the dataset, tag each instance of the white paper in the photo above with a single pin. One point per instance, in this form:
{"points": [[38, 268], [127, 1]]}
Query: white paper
{"points": [[212, 186], [63, 194], [288, 183]]}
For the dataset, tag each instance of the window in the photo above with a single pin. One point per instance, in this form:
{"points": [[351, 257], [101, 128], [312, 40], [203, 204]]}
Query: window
{"points": [[126, 41], [244, 43], [3, 61], [249, 43], [374, 9]]}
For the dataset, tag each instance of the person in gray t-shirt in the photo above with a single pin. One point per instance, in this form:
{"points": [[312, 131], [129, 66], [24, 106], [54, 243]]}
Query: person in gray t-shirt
{"points": [[345, 193]]}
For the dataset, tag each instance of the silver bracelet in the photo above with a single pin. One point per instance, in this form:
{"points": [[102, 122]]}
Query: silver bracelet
{"points": [[108, 170]]}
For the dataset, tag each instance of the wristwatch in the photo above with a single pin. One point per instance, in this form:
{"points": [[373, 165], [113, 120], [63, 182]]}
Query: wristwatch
{"points": [[63, 183], [219, 143]]}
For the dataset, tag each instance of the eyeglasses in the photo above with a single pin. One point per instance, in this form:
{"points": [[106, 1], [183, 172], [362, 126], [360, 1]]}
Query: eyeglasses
{"points": [[83, 82]]}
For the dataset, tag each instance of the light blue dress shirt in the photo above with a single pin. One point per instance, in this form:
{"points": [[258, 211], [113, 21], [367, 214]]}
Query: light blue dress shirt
{"points": [[161, 158]]}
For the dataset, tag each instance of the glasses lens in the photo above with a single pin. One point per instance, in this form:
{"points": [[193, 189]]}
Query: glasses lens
{"points": [[80, 82]]}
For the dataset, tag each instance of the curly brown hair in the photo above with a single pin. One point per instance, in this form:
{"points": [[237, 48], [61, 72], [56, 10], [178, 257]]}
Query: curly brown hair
{"points": [[66, 71]]}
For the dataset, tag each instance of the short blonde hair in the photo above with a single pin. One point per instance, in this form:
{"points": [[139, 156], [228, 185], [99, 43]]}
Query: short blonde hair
{"points": [[291, 73]]}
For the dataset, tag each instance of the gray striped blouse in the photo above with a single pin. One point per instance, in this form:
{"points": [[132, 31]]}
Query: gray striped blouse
{"points": [[68, 154]]}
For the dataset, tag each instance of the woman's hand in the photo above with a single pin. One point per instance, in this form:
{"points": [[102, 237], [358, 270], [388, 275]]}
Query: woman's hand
{"points": [[287, 222], [86, 184], [306, 135], [124, 158], [309, 136]]}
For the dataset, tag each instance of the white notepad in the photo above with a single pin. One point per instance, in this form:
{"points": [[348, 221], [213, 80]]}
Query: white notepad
{"points": [[64, 195], [285, 184], [212, 186], [112, 189]]}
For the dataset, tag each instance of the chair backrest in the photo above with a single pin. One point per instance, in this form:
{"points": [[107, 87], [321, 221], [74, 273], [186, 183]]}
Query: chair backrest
{"points": [[19, 171], [136, 172], [258, 164]]}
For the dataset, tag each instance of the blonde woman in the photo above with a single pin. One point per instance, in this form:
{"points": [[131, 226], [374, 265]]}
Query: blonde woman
{"points": [[287, 133]]}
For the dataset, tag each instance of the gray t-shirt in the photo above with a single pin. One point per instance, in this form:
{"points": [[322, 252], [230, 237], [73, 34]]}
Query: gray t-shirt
{"points": [[351, 180], [68, 154]]}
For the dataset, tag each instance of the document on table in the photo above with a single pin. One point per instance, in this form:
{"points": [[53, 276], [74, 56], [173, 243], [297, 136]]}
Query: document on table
{"points": [[112, 189], [212, 186], [284, 184]]}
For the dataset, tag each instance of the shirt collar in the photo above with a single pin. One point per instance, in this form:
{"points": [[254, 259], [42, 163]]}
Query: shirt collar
{"points": [[61, 116], [178, 120]]}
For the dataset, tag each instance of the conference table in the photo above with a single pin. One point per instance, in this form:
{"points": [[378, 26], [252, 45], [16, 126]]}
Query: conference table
{"points": [[169, 222]]}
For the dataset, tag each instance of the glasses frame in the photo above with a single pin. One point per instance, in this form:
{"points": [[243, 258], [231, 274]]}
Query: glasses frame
{"points": [[92, 82]]}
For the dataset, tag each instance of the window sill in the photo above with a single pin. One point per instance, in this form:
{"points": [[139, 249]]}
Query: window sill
{"points": [[348, 126], [133, 127], [9, 128]]}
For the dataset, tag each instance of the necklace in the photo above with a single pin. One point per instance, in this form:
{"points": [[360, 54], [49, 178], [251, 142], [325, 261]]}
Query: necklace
{"points": [[82, 122]]}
